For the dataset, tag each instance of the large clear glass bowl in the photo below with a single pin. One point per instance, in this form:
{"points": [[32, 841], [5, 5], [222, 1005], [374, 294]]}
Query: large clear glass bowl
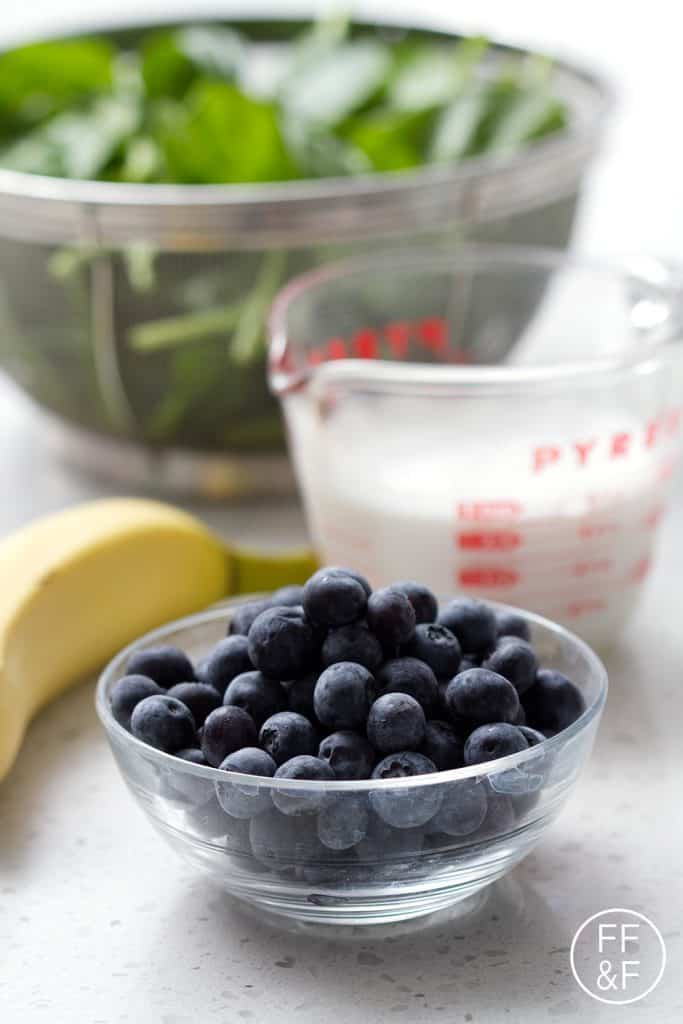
{"points": [[277, 863]]}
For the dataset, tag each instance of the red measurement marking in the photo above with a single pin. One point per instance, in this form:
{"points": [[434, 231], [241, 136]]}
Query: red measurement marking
{"points": [[397, 336], [595, 566], [589, 530], [336, 348], [590, 604], [488, 541], [488, 577], [364, 344], [489, 511], [640, 570], [433, 334], [315, 357]]}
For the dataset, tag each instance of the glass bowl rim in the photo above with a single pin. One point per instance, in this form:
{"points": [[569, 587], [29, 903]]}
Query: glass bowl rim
{"points": [[479, 771]]}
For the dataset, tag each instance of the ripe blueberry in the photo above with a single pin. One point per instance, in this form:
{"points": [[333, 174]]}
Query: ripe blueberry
{"points": [[225, 731], [200, 698], [334, 598], [437, 647], [405, 808], [411, 676], [343, 821], [532, 736], [553, 702], [256, 694], [282, 644], [342, 696], [165, 665], [286, 735], [228, 659], [516, 660], [301, 799], [442, 745], [391, 617], [482, 696], [127, 692], [244, 615], [353, 642], [299, 693], [396, 722], [473, 623], [463, 808], [291, 595], [348, 754], [512, 624], [163, 722], [424, 603], [240, 799], [489, 742]]}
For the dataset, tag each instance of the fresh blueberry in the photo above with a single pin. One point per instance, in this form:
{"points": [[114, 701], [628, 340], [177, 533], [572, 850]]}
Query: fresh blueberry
{"points": [[442, 745], [516, 660], [292, 595], [424, 603], [343, 821], [353, 642], [299, 694], [127, 692], [165, 665], [163, 722], [286, 735], [411, 676], [500, 816], [337, 570], [521, 716], [229, 658], [240, 799], [553, 702], [482, 696], [200, 698], [334, 598], [437, 647], [532, 736], [473, 623], [396, 722], [342, 696], [348, 754], [282, 843], [257, 694], [489, 742], [282, 644], [405, 808], [184, 788], [512, 624], [388, 851], [225, 731], [391, 617], [301, 799], [463, 808], [243, 616], [192, 754]]}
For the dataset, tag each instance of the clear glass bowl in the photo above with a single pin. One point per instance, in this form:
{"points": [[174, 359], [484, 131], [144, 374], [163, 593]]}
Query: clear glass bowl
{"points": [[473, 824]]}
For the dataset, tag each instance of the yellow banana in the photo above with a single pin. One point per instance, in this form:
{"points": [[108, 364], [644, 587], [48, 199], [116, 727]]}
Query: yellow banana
{"points": [[79, 585]]}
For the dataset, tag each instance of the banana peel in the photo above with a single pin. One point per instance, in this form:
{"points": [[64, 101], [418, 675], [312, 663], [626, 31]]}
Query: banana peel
{"points": [[81, 584]]}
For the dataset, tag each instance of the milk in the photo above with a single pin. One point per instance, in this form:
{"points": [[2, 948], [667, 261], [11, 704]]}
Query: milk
{"points": [[489, 498]]}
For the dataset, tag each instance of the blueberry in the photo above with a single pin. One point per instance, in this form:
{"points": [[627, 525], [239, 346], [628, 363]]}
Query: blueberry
{"points": [[299, 694], [482, 696], [500, 816], [129, 691], [334, 598], [405, 808], [469, 661], [391, 617], [389, 850], [200, 698], [442, 745], [337, 570], [165, 665], [489, 742], [424, 603], [240, 799], [225, 731], [200, 669], [396, 722], [208, 820], [257, 694], [301, 799], [343, 821], [553, 702], [192, 754], [437, 647], [512, 624], [282, 644], [342, 696], [244, 614], [463, 808], [292, 595], [411, 676], [532, 736], [473, 622], [348, 754], [281, 842], [286, 735], [521, 716], [163, 722], [516, 660], [228, 659], [353, 642]]}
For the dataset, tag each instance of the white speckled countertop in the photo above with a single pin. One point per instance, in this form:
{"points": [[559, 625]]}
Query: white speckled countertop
{"points": [[99, 922]]}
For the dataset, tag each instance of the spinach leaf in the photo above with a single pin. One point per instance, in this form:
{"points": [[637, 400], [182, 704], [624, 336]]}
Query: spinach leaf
{"points": [[219, 135], [393, 140], [172, 61], [430, 76]]}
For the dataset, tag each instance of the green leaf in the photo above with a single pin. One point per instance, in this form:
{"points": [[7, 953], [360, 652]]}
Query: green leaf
{"points": [[174, 331], [430, 76], [248, 341], [42, 79], [219, 135], [214, 50], [75, 145], [328, 89], [172, 61], [319, 153], [143, 160], [393, 140], [456, 129], [532, 115], [166, 70]]}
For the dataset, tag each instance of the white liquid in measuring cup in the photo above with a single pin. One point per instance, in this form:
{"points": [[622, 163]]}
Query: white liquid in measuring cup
{"points": [[560, 521]]}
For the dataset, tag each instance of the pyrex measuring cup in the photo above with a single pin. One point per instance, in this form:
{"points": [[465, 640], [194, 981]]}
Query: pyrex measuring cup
{"points": [[497, 422]]}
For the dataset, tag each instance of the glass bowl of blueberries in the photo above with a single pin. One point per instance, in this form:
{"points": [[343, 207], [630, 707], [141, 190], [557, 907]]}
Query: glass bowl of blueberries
{"points": [[340, 755]]}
